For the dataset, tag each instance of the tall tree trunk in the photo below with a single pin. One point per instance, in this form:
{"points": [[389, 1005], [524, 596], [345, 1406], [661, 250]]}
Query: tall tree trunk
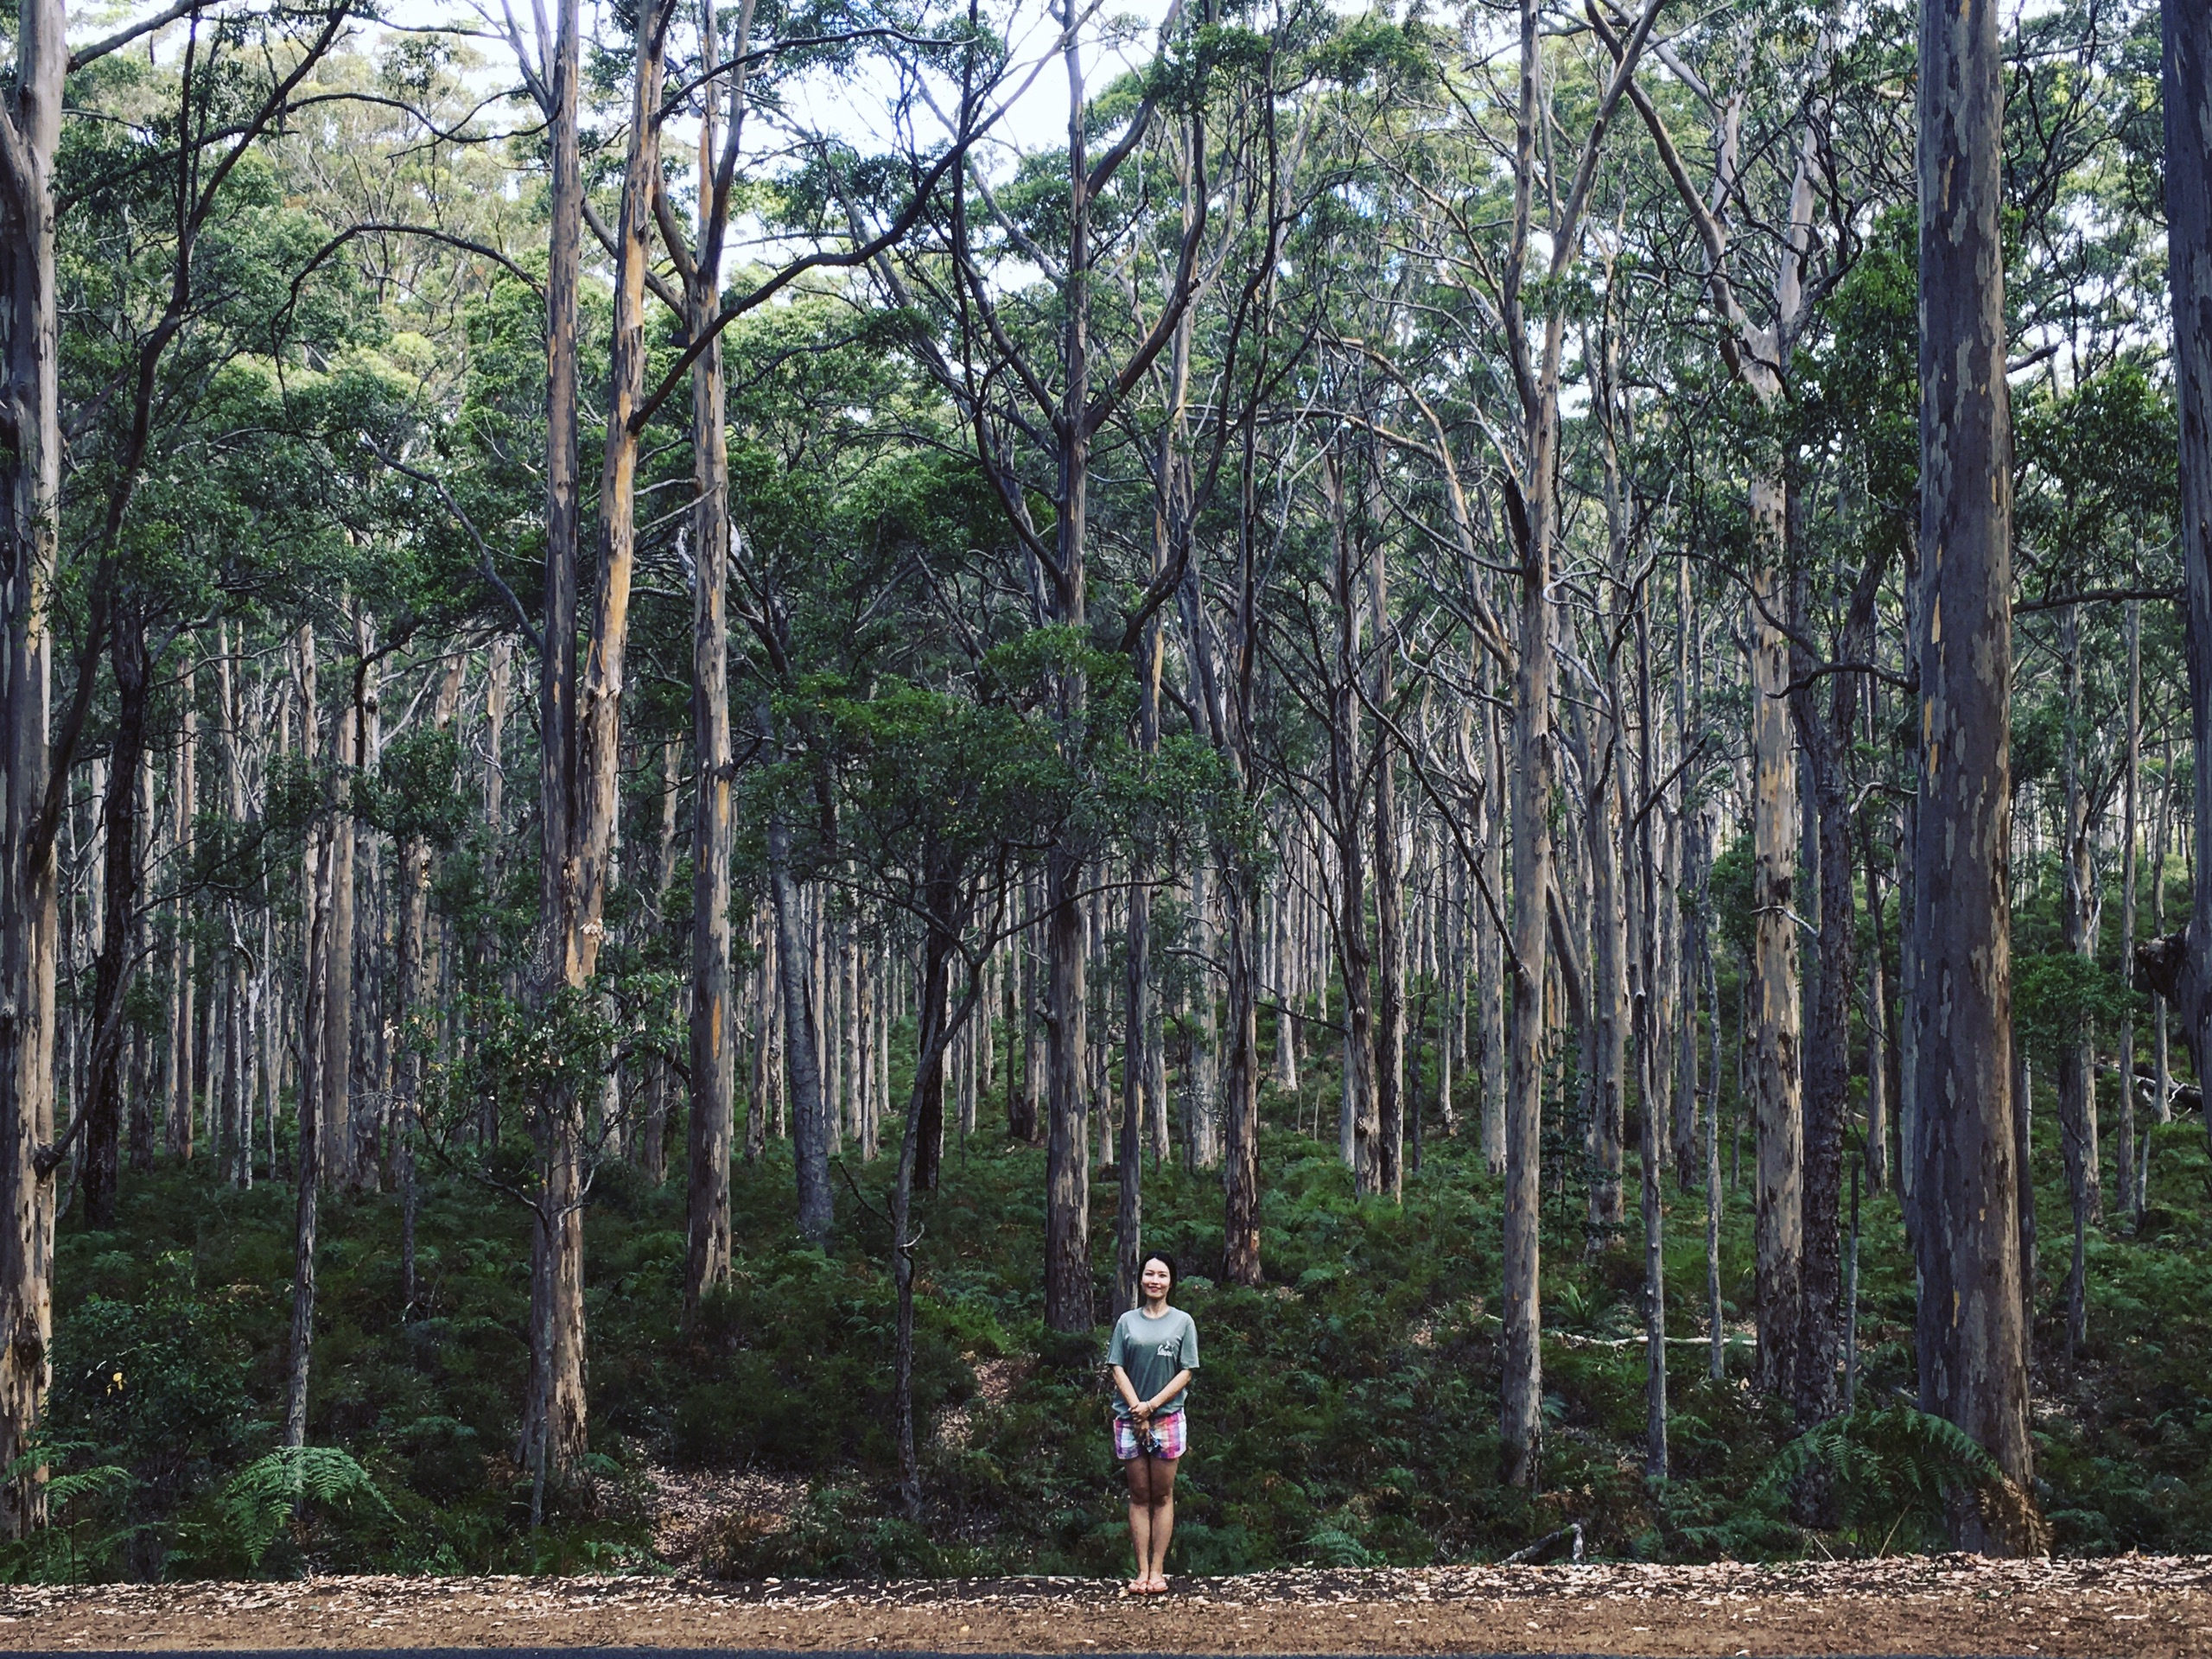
{"points": [[336, 1032], [1492, 992], [555, 1391], [184, 809], [2124, 1104], [30, 910], [1606, 1038], [112, 977], [1970, 1335], [1650, 1063], [802, 1047], [1346, 802], [2077, 1076], [1777, 1102], [1068, 1299], [2186, 82], [1389, 919], [307, 1191], [1826, 738], [713, 1053], [1878, 1032]]}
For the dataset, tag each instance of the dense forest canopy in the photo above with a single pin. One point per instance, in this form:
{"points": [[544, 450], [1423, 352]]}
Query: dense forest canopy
{"points": [[705, 705]]}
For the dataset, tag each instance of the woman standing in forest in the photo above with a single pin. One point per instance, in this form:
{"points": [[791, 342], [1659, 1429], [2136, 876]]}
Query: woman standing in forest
{"points": [[1156, 1349]]}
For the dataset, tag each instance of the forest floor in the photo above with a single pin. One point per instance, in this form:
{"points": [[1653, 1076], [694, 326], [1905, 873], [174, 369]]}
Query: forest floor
{"points": [[1953, 1605]]}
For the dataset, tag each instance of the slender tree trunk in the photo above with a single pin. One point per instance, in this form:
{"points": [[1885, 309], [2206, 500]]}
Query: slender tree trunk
{"points": [[2124, 1104], [2162, 1084], [1877, 1032], [1971, 1338], [101, 1169], [713, 1053], [184, 808], [1606, 1038], [802, 1048], [1777, 1097], [1649, 1065], [1389, 918], [307, 1193], [1492, 990], [1345, 798], [2077, 1076], [553, 1419], [336, 1031]]}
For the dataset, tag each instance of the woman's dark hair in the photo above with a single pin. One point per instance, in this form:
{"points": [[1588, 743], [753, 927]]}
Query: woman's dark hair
{"points": [[1166, 1260]]}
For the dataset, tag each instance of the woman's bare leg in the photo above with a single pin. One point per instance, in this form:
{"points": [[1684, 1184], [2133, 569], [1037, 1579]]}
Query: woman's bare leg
{"points": [[1140, 1475], [1163, 1520]]}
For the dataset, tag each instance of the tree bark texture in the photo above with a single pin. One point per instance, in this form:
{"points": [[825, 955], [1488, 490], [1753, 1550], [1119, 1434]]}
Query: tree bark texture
{"points": [[2187, 85], [1777, 1101], [101, 1174], [1970, 1333]]}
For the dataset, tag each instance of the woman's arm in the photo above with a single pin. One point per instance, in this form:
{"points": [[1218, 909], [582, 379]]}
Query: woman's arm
{"points": [[1130, 1393], [1176, 1384]]}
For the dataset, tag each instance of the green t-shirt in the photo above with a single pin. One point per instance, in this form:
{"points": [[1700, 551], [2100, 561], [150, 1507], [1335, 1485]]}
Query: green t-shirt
{"points": [[1152, 1350]]}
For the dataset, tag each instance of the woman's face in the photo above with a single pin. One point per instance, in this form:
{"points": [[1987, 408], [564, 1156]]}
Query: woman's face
{"points": [[1156, 1280]]}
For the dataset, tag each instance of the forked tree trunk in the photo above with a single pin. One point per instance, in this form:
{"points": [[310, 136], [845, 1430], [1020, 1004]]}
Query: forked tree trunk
{"points": [[1970, 1333]]}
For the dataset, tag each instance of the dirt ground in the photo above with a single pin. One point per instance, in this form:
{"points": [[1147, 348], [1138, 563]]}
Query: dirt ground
{"points": [[1945, 1604]]}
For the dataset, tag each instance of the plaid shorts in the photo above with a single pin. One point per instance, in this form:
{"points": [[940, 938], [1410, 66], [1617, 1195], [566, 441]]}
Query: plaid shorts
{"points": [[1168, 1432]]}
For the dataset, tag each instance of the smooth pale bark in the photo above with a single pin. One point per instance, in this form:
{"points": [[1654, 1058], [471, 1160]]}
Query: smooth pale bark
{"points": [[1970, 1332]]}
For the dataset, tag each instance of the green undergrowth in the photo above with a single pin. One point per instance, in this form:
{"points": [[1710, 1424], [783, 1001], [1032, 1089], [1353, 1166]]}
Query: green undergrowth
{"points": [[1345, 1414]]}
